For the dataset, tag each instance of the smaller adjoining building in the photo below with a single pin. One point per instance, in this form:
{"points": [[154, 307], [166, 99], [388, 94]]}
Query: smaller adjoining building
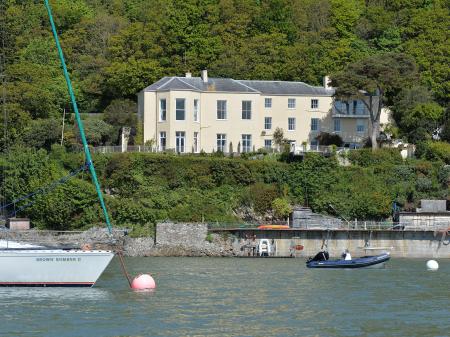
{"points": [[432, 214], [18, 223]]}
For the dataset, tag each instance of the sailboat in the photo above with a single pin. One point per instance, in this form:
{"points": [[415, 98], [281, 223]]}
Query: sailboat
{"points": [[24, 264]]}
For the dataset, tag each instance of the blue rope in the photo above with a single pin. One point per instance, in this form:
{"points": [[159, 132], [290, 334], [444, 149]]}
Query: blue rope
{"points": [[46, 188]]}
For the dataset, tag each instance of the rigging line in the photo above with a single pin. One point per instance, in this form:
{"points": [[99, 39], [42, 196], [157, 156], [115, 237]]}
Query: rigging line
{"points": [[48, 187], [78, 118]]}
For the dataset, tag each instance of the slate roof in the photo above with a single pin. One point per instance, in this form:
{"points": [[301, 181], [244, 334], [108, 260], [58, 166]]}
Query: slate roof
{"points": [[287, 88], [197, 84], [238, 86]]}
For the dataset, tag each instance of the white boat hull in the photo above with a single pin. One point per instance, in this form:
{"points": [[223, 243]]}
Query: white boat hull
{"points": [[52, 267]]}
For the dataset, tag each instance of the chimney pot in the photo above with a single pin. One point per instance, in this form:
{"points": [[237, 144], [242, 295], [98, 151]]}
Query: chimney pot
{"points": [[326, 82], [205, 76], [188, 74]]}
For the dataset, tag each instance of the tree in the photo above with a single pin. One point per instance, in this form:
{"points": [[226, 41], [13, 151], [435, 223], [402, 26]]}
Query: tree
{"points": [[43, 133], [416, 115], [98, 132], [375, 80], [278, 138], [120, 113]]}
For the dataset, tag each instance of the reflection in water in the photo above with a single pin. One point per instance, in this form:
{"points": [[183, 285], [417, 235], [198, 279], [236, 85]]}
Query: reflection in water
{"points": [[238, 297], [33, 294]]}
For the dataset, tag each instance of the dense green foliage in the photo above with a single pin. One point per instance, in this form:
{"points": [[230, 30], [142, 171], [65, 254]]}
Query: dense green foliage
{"points": [[114, 49], [144, 188]]}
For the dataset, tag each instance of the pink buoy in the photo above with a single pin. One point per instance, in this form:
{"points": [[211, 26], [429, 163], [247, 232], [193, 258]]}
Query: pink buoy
{"points": [[142, 282]]}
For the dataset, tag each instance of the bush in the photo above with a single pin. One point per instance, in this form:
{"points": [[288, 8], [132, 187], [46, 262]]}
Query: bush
{"points": [[444, 175], [327, 139], [436, 151], [368, 157], [261, 197], [424, 184], [281, 208]]}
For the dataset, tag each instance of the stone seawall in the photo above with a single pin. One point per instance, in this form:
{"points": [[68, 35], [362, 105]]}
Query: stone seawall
{"points": [[172, 239], [181, 239]]}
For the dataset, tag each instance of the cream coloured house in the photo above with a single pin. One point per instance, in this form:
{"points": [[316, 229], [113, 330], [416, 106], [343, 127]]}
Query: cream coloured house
{"points": [[190, 114]]}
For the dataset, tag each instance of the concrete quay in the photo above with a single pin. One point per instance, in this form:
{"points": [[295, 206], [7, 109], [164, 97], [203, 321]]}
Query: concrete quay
{"points": [[360, 242]]}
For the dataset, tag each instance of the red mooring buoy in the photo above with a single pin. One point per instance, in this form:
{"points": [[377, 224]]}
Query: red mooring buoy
{"points": [[143, 282]]}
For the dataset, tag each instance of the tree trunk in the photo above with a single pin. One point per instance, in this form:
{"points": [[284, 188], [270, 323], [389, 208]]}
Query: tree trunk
{"points": [[374, 134]]}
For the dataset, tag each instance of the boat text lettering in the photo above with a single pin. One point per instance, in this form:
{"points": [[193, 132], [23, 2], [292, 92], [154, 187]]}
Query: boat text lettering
{"points": [[58, 259]]}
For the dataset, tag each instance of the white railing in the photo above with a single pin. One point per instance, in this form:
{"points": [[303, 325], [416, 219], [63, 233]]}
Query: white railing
{"points": [[299, 149], [114, 149]]}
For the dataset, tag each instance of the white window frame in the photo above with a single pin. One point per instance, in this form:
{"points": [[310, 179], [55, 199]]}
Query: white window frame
{"points": [[267, 123], [337, 125], [196, 142], [268, 102], [246, 110], [196, 110], [267, 143], [221, 142], [180, 141], [314, 103], [183, 110], [162, 111], [291, 123], [162, 144], [221, 110], [316, 124], [246, 142], [292, 103]]}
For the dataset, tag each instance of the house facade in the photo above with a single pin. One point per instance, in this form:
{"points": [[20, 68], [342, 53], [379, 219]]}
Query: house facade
{"points": [[191, 114]]}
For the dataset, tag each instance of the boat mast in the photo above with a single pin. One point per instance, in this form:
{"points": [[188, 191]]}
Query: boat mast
{"points": [[78, 119]]}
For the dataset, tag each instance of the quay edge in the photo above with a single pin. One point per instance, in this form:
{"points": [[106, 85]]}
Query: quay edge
{"points": [[400, 243]]}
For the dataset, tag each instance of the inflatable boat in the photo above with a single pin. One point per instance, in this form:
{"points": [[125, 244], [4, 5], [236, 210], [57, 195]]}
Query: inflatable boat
{"points": [[321, 260]]}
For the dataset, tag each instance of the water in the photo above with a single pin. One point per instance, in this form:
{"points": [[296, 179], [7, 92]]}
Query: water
{"points": [[239, 297]]}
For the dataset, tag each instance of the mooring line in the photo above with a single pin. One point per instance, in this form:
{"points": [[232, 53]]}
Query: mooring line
{"points": [[122, 264]]}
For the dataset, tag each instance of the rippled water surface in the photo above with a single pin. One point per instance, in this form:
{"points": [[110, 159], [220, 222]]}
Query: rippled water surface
{"points": [[239, 297]]}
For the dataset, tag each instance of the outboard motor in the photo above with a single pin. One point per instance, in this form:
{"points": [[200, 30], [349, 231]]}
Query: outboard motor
{"points": [[320, 256]]}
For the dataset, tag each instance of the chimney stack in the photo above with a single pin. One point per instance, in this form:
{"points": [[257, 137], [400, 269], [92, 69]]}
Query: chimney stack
{"points": [[188, 74], [205, 76], [326, 82]]}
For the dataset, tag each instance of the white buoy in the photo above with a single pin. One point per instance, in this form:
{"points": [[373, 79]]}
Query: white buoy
{"points": [[432, 265]]}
